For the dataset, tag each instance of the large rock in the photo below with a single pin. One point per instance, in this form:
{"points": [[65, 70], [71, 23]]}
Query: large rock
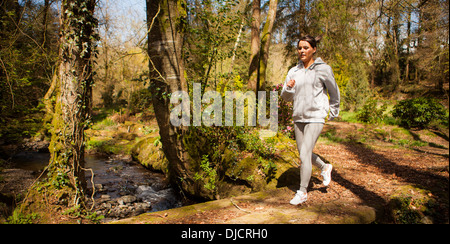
{"points": [[148, 152], [231, 177], [126, 199], [265, 207]]}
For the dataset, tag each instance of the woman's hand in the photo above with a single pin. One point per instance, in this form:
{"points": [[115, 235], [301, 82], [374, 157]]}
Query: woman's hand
{"points": [[291, 83]]}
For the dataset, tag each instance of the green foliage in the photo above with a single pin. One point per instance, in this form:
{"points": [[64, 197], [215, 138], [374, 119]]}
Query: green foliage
{"points": [[94, 217], [414, 206], [157, 141], [141, 101], [269, 168], [20, 218], [218, 150], [285, 110], [371, 113], [357, 90], [77, 212], [403, 213], [104, 124], [420, 112], [210, 35], [348, 116], [341, 71], [80, 28], [60, 178], [251, 142], [28, 54], [209, 174]]}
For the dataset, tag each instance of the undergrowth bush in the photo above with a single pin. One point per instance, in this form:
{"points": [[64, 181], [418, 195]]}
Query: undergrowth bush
{"points": [[420, 112], [285, 110], [372, 114], [215, 149]]}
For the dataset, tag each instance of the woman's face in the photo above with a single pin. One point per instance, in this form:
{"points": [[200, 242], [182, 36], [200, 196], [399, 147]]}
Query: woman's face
{"points": [[305, 51]]}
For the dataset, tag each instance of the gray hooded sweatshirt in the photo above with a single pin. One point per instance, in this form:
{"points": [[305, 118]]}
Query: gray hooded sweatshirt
{"points": [[311, 104]]}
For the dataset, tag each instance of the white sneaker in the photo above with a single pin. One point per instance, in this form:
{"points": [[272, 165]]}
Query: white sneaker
{"points": [[326, 173], [300, 197]]}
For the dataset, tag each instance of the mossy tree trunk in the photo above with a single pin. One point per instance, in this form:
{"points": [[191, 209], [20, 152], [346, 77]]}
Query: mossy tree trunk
{"points": [[74, 94], [253, 72], [260, 45], [165, 20], [265, 44]]}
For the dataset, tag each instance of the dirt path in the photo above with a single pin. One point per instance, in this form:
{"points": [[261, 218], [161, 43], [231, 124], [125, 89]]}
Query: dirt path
{"points": [[366, 177]]}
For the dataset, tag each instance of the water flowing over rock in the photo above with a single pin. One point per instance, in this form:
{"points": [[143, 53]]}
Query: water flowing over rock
{"points": [[123, 187]]}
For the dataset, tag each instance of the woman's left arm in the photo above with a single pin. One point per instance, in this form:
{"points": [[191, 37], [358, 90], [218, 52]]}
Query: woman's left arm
{"points": [[333, 91]]}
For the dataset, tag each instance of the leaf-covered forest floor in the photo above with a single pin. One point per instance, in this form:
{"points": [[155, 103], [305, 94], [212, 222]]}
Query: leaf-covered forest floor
{"points": [[382, 174]]}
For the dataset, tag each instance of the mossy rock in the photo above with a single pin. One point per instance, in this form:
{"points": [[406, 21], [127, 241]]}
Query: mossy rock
{"points": [[412, 205], [244, 175], [232, 177], [149, 153], [242, 170], [247, 176]]}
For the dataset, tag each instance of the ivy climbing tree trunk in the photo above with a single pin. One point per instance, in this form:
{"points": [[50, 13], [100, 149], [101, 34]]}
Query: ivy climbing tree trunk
{"points": [[74, 94], [165, 19]]}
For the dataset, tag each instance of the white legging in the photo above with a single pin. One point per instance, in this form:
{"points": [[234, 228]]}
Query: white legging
{"points": [[306, 135]]}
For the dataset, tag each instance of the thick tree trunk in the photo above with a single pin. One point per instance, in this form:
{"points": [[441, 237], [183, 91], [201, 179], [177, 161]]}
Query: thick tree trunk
{"points": [[253, 71], [72, 111], [167, 76], [265, 44], [303, 28]]}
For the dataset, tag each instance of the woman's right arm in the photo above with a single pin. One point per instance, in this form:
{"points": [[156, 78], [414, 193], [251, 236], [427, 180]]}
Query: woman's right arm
{"points": [[288, 91]]}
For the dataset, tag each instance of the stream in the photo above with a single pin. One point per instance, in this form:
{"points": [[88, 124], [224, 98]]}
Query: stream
{"points": [[123, 188]]}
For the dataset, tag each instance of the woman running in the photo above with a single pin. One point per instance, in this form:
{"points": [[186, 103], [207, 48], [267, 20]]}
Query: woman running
{"points": [[307, 85]]}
